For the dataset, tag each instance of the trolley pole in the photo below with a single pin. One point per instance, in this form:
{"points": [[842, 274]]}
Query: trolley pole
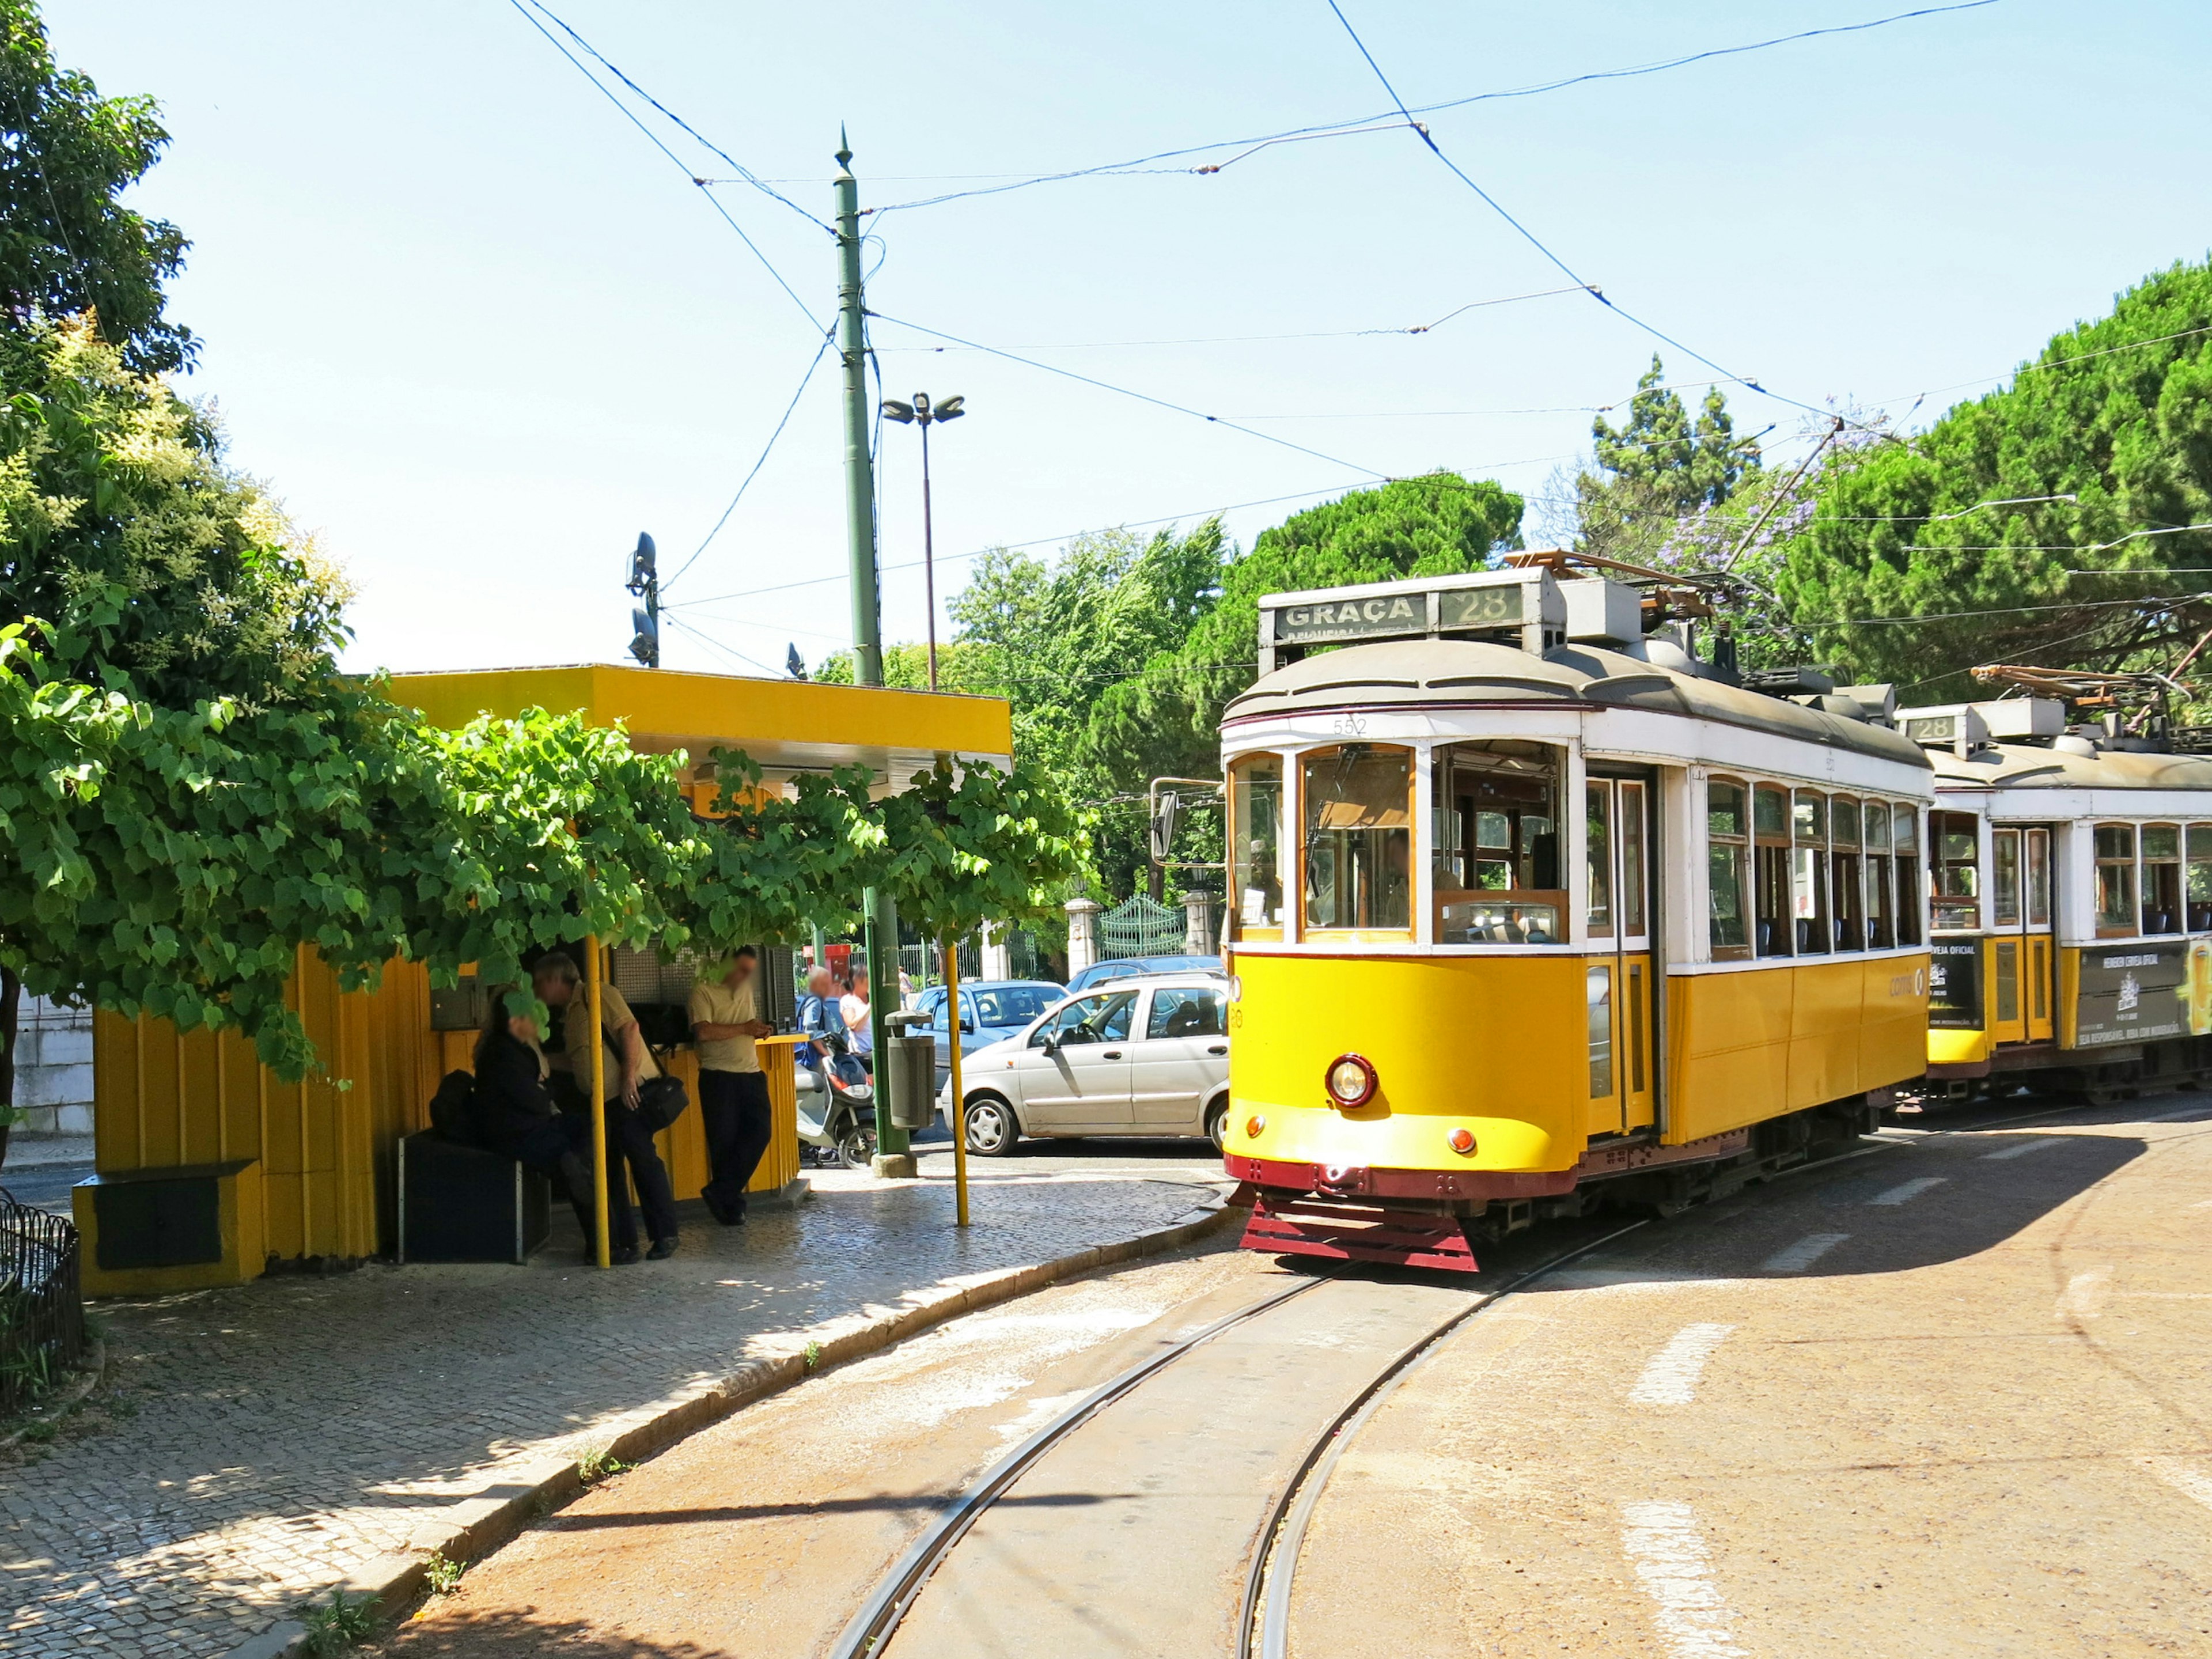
{"points": [[892, 1158], [601, 1247]]}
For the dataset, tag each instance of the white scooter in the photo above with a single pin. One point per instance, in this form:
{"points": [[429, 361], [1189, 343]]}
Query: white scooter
{"points": [[836, 1107]]}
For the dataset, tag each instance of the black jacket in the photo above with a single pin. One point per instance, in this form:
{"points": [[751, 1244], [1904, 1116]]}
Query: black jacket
{"points": [[512, 1099]]}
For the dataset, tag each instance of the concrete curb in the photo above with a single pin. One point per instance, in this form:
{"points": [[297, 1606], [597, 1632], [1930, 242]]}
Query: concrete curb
{"points": [[475, 1526]]}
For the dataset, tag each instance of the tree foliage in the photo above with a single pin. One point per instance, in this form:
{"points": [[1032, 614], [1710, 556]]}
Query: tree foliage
{"points": [[68, 245], [1658, 468], [1954, 530]]}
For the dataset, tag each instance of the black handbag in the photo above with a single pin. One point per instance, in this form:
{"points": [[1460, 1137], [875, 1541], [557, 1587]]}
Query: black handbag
{"points": [[661, 1101]]}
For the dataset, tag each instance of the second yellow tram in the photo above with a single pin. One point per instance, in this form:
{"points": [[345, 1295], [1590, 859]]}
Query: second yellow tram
{"points": [[1528, 905]]}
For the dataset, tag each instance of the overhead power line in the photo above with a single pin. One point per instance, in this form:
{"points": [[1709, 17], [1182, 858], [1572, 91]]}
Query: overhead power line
{"points": [[805, 380], [1257, 141], [654, 138]]}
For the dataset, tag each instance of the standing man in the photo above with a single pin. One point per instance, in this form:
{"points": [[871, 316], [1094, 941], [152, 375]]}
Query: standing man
{"points": [[628, 1063], [732, 1093]]}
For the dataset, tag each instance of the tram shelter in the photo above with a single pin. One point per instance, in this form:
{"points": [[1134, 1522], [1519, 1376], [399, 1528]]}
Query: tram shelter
{"points": [[210, 1169]]}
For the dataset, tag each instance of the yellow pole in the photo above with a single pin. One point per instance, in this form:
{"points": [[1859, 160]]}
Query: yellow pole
{"points": [[959, 1102], [602, 1247]]}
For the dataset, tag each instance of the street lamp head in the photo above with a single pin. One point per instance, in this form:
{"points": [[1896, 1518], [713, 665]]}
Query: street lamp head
{"points": [[950, 409], [903, 413]]}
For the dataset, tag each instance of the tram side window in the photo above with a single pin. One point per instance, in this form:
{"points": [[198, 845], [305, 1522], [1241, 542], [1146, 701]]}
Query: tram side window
{"points": [[1496, 856], [1359, 834], [2200, 878], [2162, 879], [2115, 880], [1597, 840], [1255, 785], [1850, 886], [1770, 816], [1955, 838], [1905, 838], [1727, 853], [2004, 878], [1881, 901], [1808, 885], [2039, 878]]}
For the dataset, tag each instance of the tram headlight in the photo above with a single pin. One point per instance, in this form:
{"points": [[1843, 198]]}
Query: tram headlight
{"points": [[1350, 1081]]}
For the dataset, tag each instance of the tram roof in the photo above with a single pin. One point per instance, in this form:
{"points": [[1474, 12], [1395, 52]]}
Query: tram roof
{"points": [[2028, 766], [1410, 674]]}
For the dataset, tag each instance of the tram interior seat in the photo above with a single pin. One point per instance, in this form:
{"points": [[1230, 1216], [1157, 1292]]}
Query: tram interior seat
{"points": [[2200, 918]]}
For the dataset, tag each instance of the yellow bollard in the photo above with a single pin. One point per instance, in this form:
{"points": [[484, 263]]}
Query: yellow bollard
{"points": [[959, 1104], [603, 1246]]}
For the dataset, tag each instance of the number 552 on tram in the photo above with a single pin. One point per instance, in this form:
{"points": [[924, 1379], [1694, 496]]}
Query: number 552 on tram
{"points": [[1529, 907]]}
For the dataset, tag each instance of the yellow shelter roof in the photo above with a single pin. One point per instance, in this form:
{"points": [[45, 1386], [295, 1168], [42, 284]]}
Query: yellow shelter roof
{"points": [[786, 725]]}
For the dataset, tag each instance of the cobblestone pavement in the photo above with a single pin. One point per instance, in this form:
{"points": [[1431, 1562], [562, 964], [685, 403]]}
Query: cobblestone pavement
{"points": [[290, 1431]]}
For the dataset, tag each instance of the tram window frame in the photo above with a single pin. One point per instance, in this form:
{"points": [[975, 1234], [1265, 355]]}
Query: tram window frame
{"points": [[2160, 878], [1597, 858], [1728, 854], [1630, 900], [2196, 846], [1393, 917], [1769, 858], [1809, 871], [1881, 893], [2005, 883], [1514, 894], [1905, 859], [1246, 861], [1847, 883], [2035, 864], [1958, 911], [2114, 848]]}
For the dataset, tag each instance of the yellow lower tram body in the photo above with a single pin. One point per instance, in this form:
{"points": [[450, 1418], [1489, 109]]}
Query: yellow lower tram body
{"points": [[1490, 1111]]}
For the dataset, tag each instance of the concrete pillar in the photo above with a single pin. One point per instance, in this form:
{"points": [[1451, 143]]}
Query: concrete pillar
{"points": [[1201, 934], [998, 957], [1082, 934]]}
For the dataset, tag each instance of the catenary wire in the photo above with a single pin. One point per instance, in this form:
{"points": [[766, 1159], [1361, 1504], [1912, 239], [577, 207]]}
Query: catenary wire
{"points": [[654, 138], [727, 651], [745, 174], [805, 381], [1143, 163], [1125, 392]]}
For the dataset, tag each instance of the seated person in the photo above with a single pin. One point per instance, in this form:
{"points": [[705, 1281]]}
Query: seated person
{"points": [[514, 1109]]}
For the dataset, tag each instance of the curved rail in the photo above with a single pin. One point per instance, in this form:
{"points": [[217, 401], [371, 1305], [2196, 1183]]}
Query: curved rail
{"points": [[1285, 1532], [868, 1631]]}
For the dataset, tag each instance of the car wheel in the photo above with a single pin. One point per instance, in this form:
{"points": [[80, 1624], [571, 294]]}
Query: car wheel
{"points": [[1217, 1124], [856, 1148], [992, 1128]]}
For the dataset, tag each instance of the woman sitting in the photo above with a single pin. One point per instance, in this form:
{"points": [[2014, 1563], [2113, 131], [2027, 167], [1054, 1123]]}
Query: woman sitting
{"points": [[515, 1114]]}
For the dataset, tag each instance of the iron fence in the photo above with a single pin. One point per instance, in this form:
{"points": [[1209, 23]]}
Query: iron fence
{"points": [[1140, 926], [41, 1306]]}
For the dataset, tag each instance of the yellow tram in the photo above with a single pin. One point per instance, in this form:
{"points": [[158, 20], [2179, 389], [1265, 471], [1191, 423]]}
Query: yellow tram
{"points": [[2071, 866], [1529, 905]]}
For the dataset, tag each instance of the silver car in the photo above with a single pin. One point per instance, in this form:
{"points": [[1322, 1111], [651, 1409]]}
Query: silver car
{"points": [[1150, 1057]]}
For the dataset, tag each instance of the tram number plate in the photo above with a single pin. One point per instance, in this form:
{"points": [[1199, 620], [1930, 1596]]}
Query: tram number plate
{"points": [[1481, 607]]}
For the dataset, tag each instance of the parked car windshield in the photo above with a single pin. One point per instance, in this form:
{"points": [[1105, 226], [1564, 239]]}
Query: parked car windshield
{"points": [[1014, 1005], [1103, 1018]]}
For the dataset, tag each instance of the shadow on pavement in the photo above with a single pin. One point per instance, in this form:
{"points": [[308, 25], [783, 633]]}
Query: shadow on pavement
{"points": [[521, 1634], [925, 1503]]}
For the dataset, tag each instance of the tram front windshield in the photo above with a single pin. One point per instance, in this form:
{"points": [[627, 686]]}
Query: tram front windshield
{"points": [[1358, 838]]}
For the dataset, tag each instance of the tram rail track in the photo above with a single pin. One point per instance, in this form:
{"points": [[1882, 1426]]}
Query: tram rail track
{"points": [[1262, 1627]]}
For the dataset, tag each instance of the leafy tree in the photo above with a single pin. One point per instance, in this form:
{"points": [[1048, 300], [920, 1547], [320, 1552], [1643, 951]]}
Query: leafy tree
{"points": [[68, 246], [1956, 526], [1658, 468]]}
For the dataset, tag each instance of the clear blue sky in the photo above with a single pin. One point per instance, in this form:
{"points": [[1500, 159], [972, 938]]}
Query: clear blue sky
{"points": [[477, 333]]}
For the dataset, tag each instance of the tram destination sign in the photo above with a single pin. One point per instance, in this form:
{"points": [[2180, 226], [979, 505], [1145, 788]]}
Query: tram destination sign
{"points": [[2132, 992], [1395, 616]]}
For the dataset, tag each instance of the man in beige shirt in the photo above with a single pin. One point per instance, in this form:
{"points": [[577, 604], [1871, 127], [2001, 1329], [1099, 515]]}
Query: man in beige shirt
{"points": [[628, 1062], [732, 1093]]}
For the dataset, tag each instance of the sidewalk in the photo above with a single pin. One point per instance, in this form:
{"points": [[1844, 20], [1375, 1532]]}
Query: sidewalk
{"points": [[291, 1431]]}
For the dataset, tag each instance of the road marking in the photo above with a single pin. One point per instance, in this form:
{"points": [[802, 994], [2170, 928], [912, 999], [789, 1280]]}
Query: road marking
{"points": [[2191, 1483], [1795, 1258], [1663, 1543], [2022, 1148], [1907, 1191], [2084, 1295], [1671, 1378]]}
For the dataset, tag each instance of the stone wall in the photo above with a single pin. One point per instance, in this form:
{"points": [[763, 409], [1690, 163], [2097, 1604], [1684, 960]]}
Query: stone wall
{"points": [[53, 1068]]}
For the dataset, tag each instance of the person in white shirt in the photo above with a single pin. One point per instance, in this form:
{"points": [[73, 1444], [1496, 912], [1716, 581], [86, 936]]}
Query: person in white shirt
{"points": [[854, 1006], [733, 1110]]}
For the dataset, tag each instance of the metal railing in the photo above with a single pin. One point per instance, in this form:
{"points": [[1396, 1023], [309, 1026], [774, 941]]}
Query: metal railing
{"points": [[41, 1306]]}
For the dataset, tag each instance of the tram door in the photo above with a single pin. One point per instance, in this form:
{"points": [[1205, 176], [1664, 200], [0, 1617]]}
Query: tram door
{"points": [[2020, 934], [1618, 982]]}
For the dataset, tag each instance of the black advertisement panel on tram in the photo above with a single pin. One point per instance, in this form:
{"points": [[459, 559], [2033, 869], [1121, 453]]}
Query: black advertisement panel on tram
{"points": [[1954, 984]]}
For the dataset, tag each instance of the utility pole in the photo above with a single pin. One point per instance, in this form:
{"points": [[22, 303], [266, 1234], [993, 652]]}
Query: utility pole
{"points": [[892, 1156]]}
